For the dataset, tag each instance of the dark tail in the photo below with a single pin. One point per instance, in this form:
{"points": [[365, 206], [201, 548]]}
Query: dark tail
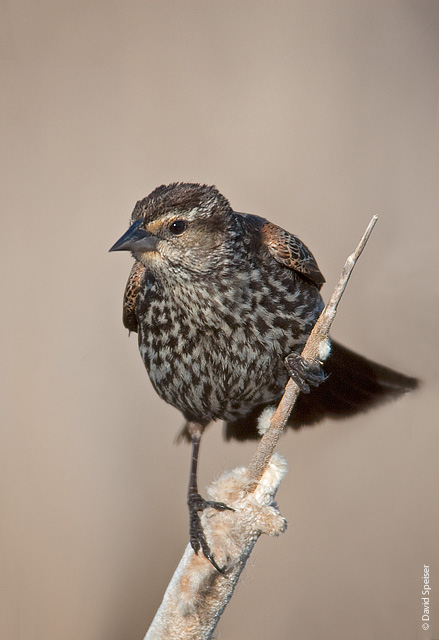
{"points": [[354, 384]]}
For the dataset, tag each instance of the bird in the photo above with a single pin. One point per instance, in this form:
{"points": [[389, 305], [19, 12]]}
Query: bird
{"points": [[223, 303]]}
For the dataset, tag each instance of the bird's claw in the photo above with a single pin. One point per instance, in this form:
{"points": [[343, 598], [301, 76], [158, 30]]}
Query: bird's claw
{"points": [[305, 373], [197, 537]]}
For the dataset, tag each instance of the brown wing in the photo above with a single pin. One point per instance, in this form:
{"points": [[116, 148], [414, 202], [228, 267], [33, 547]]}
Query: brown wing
{"points": [[130, 296], [290, 252]]}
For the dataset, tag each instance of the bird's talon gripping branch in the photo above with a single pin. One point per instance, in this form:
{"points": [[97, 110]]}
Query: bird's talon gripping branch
{"points": [[197, 537], [198, 503], [305, 373]]}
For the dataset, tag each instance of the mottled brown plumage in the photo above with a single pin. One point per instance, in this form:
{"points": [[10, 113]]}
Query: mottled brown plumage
{"points": [[290, 252], [219, 299], [130, 297]]}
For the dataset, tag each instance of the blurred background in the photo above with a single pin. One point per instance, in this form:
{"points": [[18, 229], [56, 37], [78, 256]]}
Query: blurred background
{"points": [[314, 114]]}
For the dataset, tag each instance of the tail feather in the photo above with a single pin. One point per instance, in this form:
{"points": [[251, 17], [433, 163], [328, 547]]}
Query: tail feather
{"points": [[354, 385]]}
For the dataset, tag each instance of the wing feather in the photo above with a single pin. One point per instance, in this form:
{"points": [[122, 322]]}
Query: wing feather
{"points": [[289, 251], [130, 296]]}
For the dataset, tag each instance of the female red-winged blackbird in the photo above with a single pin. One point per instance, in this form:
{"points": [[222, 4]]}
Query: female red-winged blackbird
{"points": [[223, 303]]}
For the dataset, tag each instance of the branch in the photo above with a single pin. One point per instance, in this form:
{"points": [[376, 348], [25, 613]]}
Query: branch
{"points": [[197, 593]]}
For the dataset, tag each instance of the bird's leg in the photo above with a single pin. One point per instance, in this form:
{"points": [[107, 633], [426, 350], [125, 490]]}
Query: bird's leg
{"points": [[196, 502], [305, 373]]}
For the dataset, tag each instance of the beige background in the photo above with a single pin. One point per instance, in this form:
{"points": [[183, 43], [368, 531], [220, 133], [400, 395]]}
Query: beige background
{"points": [[314, 114]]}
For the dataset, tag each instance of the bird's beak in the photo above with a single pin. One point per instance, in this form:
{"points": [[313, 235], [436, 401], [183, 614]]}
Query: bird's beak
{"points": [[136, 239]]}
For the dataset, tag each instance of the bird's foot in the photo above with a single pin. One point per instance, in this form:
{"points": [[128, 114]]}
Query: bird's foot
{"points": [[197, 537], [305, 373]]}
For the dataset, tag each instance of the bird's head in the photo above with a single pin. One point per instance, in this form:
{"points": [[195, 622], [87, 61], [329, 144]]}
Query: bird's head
{"points": [[179, 226]]}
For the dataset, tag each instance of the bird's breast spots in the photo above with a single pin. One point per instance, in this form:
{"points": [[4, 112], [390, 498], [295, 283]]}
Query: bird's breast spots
{"points": [[210, 386]]}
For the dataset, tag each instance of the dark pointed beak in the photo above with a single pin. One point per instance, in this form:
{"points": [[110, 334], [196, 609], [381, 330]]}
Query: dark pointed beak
{"points": [[136, 239]]}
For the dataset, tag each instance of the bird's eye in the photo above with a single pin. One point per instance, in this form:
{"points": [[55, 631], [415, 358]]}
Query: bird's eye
{"points": [[177, 227]]}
